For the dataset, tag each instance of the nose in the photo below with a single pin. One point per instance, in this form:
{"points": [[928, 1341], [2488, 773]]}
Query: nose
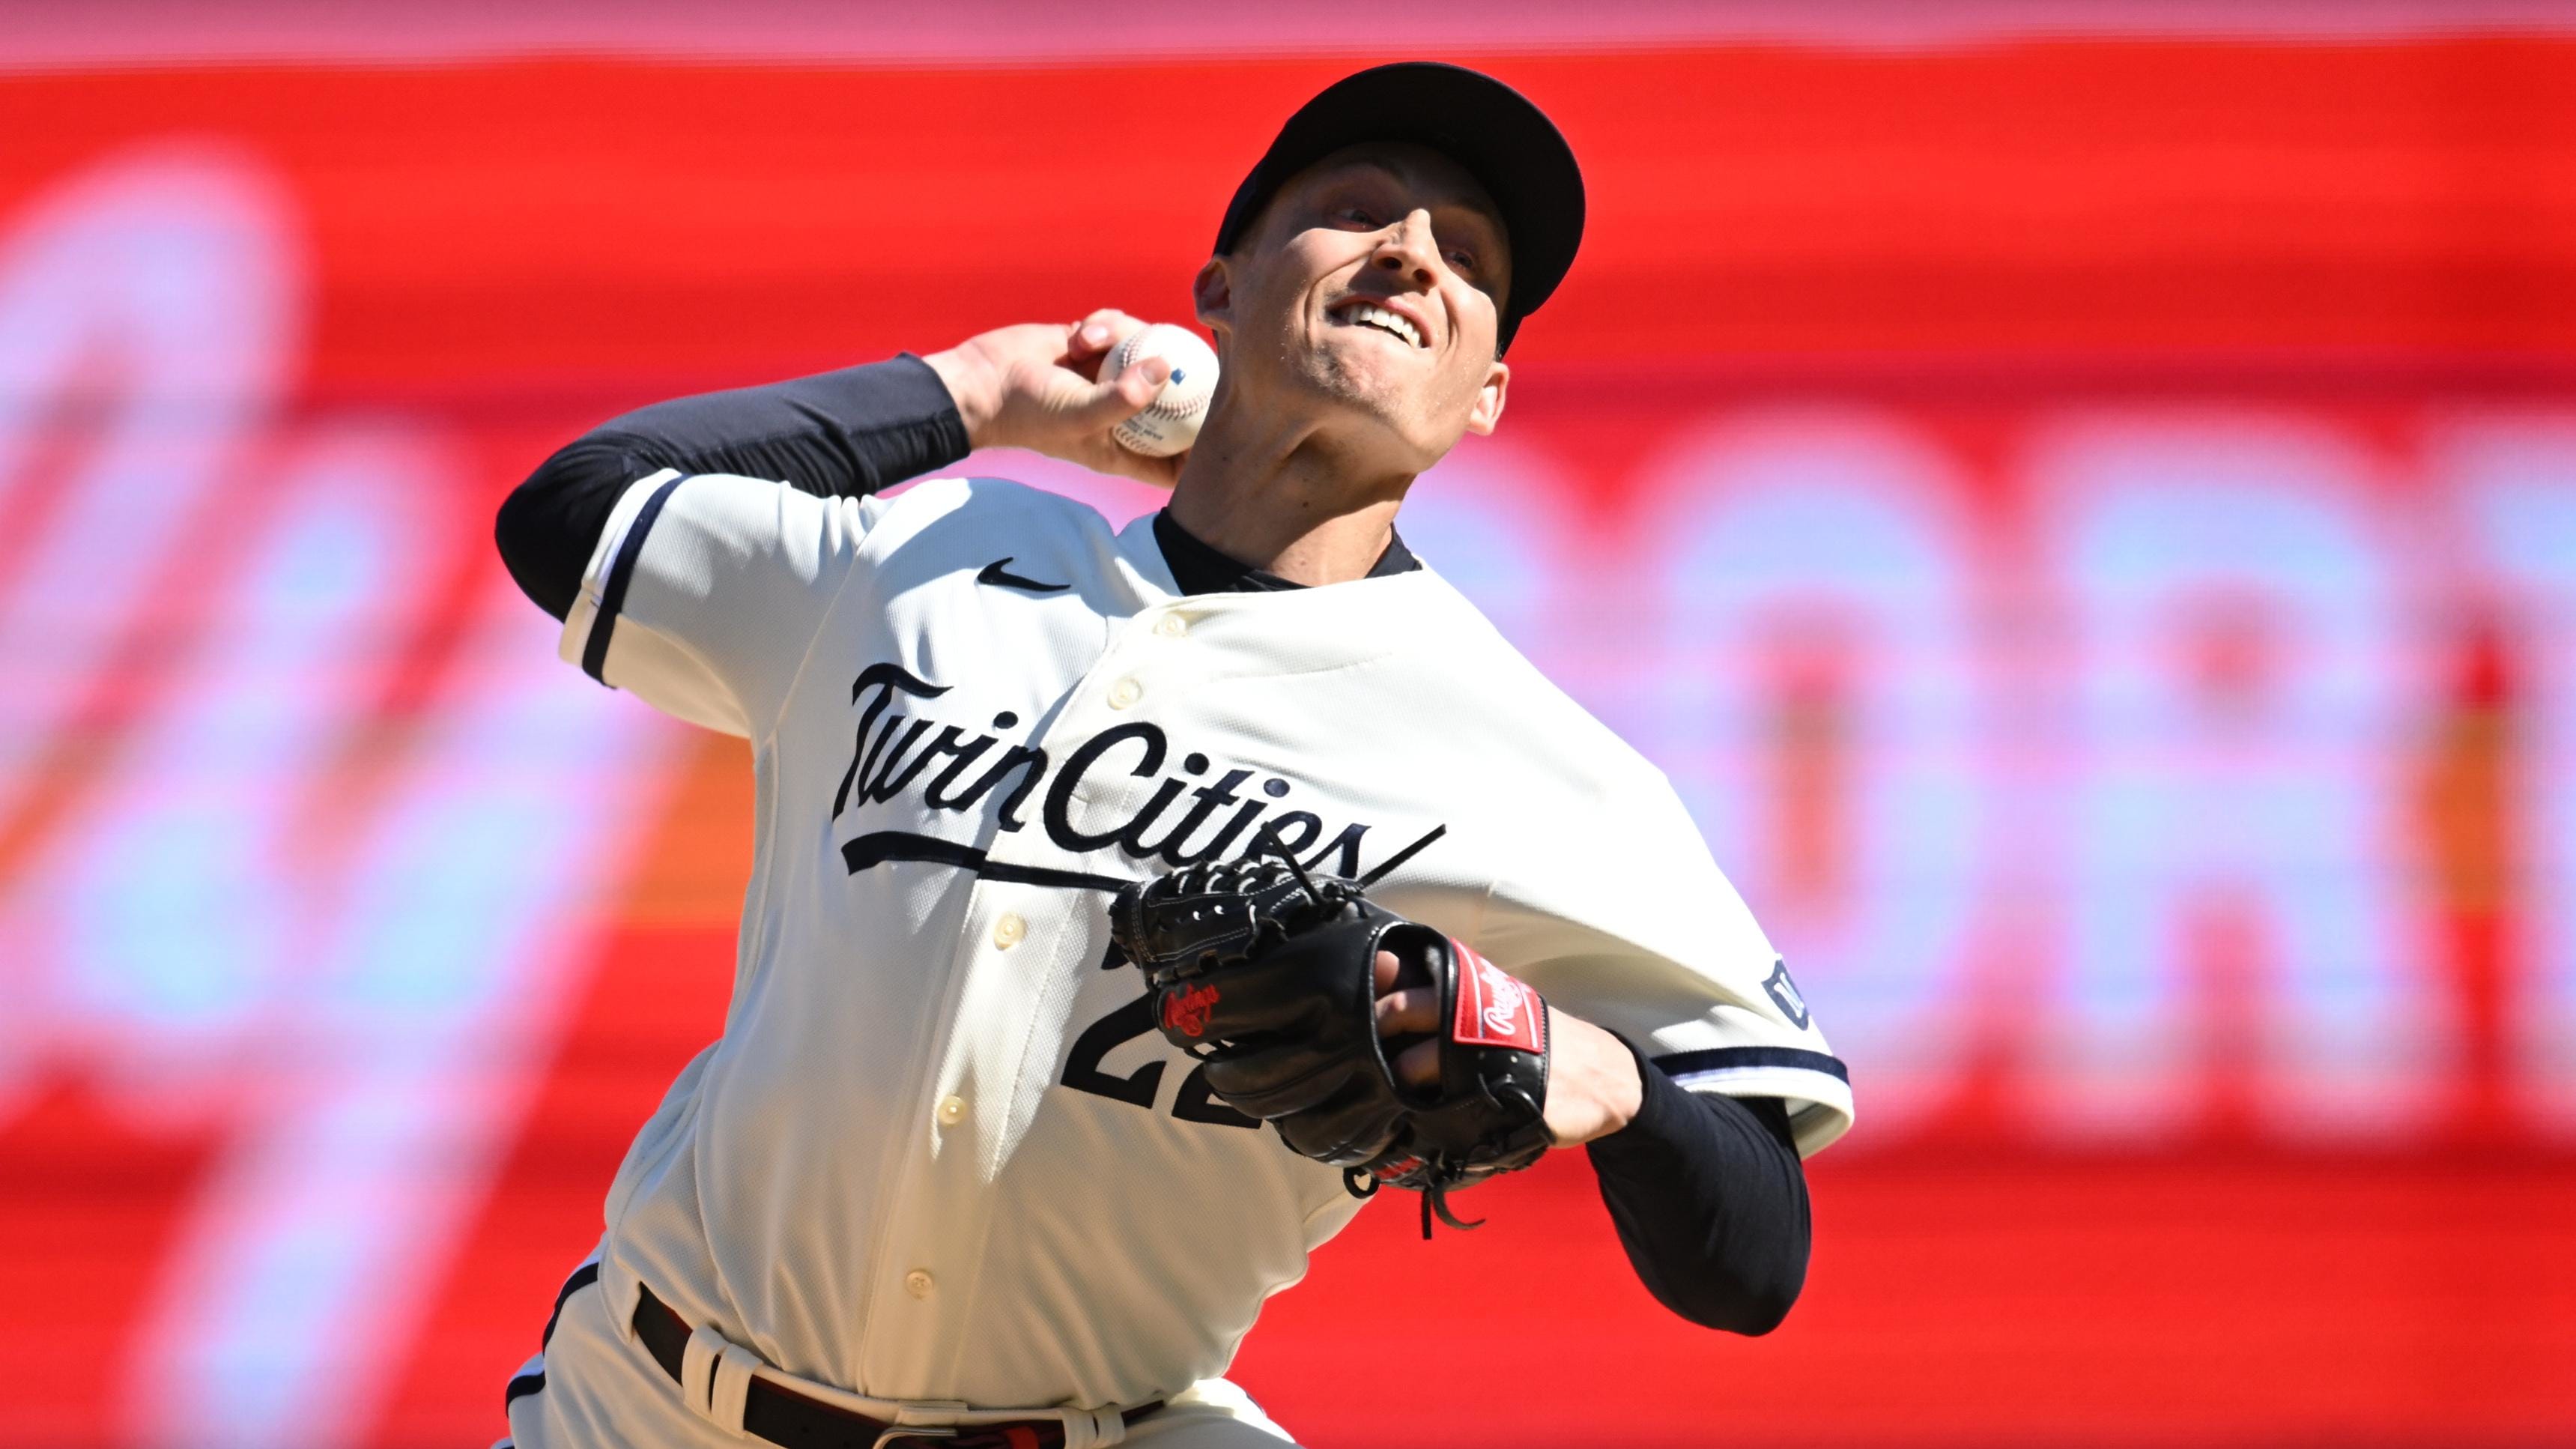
{"points": [[1409, 251]]}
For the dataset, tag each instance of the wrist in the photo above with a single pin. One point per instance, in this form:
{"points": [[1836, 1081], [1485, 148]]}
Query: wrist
{"points": [[975, 387], [1595, 1086]]}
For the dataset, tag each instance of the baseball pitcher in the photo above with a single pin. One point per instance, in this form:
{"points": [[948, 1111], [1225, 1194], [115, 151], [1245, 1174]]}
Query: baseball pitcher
{"points": [[1129, 907]]}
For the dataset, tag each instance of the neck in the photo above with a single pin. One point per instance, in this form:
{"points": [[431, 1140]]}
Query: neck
{"points": [[1285, 499]]}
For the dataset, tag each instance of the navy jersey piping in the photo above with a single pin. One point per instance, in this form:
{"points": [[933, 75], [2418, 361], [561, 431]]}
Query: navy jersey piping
{"points": [[612, 596], [1682, 1064]]}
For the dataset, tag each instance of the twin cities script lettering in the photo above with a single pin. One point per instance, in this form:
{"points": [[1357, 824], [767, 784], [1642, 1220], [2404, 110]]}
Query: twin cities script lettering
{"points": [[1188, 817]]}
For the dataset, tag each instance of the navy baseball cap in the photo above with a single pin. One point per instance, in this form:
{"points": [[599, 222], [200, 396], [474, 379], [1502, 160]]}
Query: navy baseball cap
{"points": [[1504, 141]]}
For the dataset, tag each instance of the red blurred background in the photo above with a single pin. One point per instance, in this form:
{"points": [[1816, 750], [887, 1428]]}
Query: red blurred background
{"points": [[2087, 516]]}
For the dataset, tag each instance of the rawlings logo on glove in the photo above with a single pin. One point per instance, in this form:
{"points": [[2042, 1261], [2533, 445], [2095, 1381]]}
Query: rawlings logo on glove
{"points": [[1186, 1010], [1492, 1007], [1269, 976]]}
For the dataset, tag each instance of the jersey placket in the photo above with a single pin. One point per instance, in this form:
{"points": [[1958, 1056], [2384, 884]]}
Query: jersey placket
{"points": [[1139, 679], [937, 1250], [1019, 954]]}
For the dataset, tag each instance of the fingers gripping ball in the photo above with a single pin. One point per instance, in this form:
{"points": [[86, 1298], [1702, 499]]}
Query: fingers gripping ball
{"points": [[1267, 975], [1170, 423]]}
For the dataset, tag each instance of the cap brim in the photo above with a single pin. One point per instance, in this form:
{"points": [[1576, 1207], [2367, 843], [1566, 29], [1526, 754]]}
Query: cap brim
{"points": [[1503, 140]]}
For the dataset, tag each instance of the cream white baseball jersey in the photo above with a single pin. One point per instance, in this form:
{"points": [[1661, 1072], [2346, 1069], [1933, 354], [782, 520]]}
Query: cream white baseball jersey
{"points": [[939, 1152]]}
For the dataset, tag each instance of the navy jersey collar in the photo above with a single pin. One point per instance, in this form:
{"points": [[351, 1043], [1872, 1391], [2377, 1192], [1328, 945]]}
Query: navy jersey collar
{"points": [[1199, 568]]}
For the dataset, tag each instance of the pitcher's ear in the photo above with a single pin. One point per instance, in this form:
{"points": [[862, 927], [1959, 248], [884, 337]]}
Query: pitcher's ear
{"points": [[1488, 408], [1212, 294]]}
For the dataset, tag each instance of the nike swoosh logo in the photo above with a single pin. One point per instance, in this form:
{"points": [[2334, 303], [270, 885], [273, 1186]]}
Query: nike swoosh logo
{"points": [[995, 573]]}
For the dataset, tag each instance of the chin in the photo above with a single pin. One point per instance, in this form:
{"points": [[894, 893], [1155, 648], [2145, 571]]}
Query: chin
{"points": [[1366, 391], [1363, 385], [1378, 401]]}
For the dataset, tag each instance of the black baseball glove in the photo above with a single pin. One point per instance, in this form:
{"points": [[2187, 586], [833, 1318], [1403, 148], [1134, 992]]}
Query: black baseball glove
{"points": [[1268, 975]]}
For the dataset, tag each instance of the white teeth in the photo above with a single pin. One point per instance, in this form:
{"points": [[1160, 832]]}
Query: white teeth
{"points": [[1380, 317]]}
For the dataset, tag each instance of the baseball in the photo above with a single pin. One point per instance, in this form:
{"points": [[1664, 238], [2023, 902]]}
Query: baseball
{"points": [[1170, 423]]}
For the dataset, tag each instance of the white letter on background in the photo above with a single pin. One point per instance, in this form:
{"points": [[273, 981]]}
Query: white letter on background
{"points": [[2237, 728]]}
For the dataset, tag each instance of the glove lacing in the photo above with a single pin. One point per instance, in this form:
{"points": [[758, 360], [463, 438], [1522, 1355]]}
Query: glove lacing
{"points": [[1435, 1195]]}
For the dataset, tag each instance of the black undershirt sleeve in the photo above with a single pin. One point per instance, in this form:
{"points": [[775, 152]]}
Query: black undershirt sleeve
{"points": [[1711, 1203], [835, 434]]}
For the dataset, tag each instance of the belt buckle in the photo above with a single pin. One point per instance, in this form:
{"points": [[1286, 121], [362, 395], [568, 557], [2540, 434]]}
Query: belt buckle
{"points": [[901, 1432], [911, 1408]]}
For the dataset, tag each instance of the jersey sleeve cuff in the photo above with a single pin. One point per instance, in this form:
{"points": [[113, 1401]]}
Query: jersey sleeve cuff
{"points": [[1815, 1085]]}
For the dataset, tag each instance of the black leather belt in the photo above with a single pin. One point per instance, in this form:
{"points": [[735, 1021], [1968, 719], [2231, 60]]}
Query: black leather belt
{"points": [[793, 1421]]}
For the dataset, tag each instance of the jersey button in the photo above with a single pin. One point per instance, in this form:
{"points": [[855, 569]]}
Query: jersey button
{"points": [[1008, 930], [952, 1110], [1171, 626], [917, 1283], [1124, 693]]}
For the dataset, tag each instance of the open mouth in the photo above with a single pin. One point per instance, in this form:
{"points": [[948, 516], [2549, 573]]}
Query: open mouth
{"points": [[1367, 314]]}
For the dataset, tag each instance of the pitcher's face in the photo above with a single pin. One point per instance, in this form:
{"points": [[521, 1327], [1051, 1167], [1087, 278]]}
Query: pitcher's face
{"points": [[1374, 282]]}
